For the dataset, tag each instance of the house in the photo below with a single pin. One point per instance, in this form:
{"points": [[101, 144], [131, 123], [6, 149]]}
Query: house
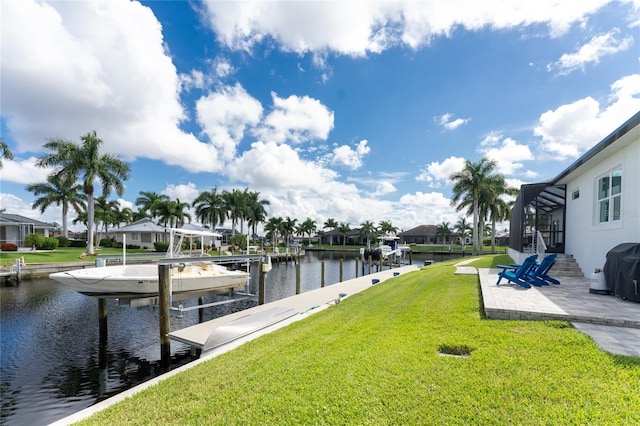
{"points": [[354, 237], [588, 209], [423, 234], [14, 228], [143, 233]]}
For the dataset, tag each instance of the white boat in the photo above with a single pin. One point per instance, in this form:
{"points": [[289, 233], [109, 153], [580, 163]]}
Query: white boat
{"points": [[141, 280]]}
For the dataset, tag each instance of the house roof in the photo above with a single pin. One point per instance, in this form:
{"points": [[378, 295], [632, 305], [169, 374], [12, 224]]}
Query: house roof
{"points": [[143, 225], [618, 139], [419, 230], [16, 219]]}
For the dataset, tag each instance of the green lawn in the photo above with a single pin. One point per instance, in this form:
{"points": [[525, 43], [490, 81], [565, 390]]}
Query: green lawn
{"points": [[374, 359], [59, 255]]}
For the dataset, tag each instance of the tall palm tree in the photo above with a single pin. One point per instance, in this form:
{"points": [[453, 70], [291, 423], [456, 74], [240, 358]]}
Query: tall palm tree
{"points": [[59, 191], [385, 227], [256, 212], [5, 152], [236, 204], [344, 229], [332, 224], [288, 228], [469, 185], [444, 230], [368, 228], [274, 227], [85, 161], [104, 213], [122, 215], [148, 201], [172, 213], [462, 228], [308, 227], [210, 208]]}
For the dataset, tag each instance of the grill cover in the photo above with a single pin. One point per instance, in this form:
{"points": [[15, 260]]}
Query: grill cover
{"points": [[622, 271]]}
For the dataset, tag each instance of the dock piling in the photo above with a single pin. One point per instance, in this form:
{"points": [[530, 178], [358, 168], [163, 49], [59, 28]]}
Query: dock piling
{"points": [[322, 274], [164, 277], [341, 270], [297, 278], [261, 278], [102, 320]]}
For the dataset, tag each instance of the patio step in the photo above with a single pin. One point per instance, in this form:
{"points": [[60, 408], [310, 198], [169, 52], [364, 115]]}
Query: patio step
{"points": [[566, 266]]}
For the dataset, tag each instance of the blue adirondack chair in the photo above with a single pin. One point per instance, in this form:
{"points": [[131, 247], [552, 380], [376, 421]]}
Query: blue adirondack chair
{"points": [[539, 274], [517, 274]]}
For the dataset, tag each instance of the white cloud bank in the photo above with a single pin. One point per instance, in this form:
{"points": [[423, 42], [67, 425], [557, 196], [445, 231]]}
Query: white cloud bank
{"points": [[572, 129]]}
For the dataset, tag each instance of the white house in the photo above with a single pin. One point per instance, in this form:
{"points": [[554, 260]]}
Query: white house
{"points": [[143, 233], [14, 228], [589, 208]]}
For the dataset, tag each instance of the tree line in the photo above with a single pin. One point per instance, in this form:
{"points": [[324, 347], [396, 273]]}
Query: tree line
{"points": [[478, 191]]}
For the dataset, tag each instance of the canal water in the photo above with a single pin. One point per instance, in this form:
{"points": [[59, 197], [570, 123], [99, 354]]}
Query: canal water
{"points": [[52, 363]]}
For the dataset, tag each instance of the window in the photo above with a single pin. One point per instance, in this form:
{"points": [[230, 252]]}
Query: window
{"points": [[609, 197], [134, 236], [575, 194]]}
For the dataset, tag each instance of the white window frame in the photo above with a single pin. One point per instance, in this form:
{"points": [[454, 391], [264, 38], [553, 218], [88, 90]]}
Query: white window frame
{"points": [[608, 197]]}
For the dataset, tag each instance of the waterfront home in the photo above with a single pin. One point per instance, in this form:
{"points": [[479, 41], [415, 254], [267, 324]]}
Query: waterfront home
{"points": [[14, 228], [143, 233], [587, 209]]}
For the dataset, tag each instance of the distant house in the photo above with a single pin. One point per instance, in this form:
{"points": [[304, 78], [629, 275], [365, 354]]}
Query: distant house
{"points": [[355, 236], [144, 233], [14, 228], [588, 209], [423, 234]]}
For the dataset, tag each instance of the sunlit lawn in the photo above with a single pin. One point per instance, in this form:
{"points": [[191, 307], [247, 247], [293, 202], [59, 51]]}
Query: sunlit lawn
{"points": [[374, 359]]}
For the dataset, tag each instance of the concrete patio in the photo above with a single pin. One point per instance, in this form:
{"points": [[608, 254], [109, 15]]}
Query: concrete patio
{"points": [[613, 323]]}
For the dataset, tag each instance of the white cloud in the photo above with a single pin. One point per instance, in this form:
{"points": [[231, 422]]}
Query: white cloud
{"points": [[591, 52], [357, 28], [437, 174], [186, 193], [573, 128], [351, 158], [23, 171], [225, 114], [446, 120], [70, 67], [384, 188], [295, 119], [426, 208], [508, 155]]}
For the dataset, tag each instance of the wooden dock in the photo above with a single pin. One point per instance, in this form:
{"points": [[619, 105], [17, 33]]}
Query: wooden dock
{"points": [[223, 334]]}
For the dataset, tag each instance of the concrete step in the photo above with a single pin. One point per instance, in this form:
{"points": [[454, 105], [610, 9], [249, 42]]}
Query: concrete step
{"points": [[566, 266]]}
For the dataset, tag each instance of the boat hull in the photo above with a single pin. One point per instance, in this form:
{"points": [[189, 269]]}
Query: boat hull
{"points": [[142, 280]]}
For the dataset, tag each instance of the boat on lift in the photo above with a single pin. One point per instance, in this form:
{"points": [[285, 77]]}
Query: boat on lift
{"points": [[141, 280]]}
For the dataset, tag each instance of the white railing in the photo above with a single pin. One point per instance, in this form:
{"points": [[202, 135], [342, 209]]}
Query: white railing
{"points": [[541, 247]]}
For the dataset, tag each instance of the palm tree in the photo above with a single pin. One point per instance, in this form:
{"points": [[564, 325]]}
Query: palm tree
{"points": [[332, 224], [308, 227], [104, 213], [210, 208], [120, 216], [474, 182], [367, 228], [274, 226], [256, 211], [499, 210], [344, 229], [5, 151], [288, 228], [444, 230], [236, 205], [148, 201], [172, 213], [59, 192], [385, 227], [462, 227], [85, 161]]}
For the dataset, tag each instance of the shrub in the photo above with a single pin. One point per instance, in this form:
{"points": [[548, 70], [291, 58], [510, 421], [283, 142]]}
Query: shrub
{"points": [[161, 246], [131, 246], [49, 244], [77, 243], [8, 247], [63, 241], [34, 240], [105, 242]]}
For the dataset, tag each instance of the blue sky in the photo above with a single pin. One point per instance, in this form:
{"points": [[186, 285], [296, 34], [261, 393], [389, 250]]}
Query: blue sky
{"points": [[348, 110]]}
